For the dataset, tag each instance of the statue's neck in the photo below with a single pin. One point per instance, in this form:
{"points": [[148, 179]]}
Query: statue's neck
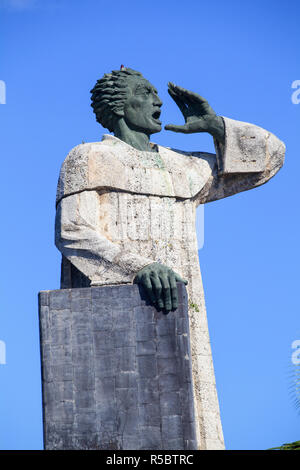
{"points": [[136, 139]]}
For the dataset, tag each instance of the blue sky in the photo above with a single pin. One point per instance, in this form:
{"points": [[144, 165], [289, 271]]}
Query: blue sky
{"points": [[243, 57]]}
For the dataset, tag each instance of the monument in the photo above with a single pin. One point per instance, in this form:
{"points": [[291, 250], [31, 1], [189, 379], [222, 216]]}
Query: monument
{"points": [[125, 226]]}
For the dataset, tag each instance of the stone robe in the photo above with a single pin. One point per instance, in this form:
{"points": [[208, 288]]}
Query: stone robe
{"points": [[120, 209]]}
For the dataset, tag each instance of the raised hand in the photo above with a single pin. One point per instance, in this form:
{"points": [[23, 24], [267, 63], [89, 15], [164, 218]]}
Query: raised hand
{"points": [[198, 114], [159, 281]]}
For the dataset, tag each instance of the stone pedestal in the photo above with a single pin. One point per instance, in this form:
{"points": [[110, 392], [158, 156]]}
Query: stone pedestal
{"points": [[116, 373]]}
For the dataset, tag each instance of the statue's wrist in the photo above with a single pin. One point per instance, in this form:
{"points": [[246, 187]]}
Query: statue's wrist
{"points": [[217, 129]]}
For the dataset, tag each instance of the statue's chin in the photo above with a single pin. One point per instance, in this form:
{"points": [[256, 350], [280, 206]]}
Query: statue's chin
{"points": [[147, 127], [156, 128]]}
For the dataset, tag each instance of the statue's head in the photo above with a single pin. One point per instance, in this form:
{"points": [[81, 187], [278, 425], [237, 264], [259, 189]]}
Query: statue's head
{"points": [[126, 94]]}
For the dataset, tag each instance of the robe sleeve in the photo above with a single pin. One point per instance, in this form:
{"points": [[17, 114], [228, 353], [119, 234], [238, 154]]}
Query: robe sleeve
{"points": [[249, 158], [79, 239]]}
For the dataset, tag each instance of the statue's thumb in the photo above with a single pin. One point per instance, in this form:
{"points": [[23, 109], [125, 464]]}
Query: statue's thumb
{"points": [[172, 127], [179, 278]]}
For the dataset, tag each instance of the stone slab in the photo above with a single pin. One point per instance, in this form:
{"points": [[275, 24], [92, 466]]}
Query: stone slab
{"points": [[116, 373]]}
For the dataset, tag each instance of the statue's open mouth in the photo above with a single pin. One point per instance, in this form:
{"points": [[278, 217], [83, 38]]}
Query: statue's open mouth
{"points": [[156, 115]]}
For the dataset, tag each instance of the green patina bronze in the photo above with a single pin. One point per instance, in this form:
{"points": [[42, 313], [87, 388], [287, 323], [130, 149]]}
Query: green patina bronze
{"points": [[128, 105]]}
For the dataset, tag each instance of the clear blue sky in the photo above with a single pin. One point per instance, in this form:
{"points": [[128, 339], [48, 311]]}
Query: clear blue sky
{"points": [[241, 56]]}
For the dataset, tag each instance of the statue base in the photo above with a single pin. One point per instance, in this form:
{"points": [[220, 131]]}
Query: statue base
{"points": [[116, 373]]}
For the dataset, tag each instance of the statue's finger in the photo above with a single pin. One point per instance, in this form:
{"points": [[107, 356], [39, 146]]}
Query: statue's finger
{"points": [[195, 97], [179, 279], [157, 289], [185, 96], [178, 100], [174, 291], [166, 292], [176, 88], [189, 101], [174, 128], [146, 282]]}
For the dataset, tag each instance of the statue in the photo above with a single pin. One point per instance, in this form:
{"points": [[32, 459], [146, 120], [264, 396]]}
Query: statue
{"points": [[126, 207]]}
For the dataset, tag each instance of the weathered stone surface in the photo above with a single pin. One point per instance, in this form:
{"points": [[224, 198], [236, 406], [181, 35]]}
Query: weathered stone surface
{"points": [[169, 172], [116, 373]]}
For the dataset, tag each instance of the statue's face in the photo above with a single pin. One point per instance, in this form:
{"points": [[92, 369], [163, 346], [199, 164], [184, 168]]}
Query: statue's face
{"points": [[142, 107]]}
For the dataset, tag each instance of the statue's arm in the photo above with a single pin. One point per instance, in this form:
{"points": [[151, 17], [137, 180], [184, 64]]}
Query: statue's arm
{"points": [[249, 157], [79, 237]]}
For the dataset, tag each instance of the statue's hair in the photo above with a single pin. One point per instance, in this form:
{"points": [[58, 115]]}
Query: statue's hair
{"points": [[109, 95]]}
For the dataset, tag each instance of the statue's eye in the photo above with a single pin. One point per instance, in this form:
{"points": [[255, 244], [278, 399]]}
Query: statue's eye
{"points": [[143, 91]]}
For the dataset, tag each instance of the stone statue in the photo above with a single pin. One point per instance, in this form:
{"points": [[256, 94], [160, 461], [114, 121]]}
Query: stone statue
{"points": [[126, 207]]}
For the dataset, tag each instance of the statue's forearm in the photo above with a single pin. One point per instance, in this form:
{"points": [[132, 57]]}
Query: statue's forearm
{"points": [[249, 157]]}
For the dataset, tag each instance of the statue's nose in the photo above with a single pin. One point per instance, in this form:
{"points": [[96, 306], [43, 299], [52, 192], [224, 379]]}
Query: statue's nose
{"points": [[157, 101]]}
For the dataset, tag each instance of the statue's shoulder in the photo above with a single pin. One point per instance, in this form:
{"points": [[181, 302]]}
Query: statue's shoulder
{"points": [[85, 164], [114, 165], [82, 154]]}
